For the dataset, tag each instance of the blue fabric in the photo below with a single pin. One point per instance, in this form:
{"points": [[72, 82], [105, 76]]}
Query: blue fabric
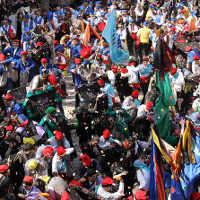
{"points": [[77, 77], [30, 64], [141, 165], [191, 54], [49, 67], [117, 55], [17, 56], [1, 70], [17, 108], [38, 21], [75, 51]]}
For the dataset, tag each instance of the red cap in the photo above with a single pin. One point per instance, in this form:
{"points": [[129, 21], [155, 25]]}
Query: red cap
{"points": [[75, 183], [149, 105], [145, 59], [55, 43], [124, 70], [60, 150], [47, 151], [195, 57], [24, 124], [141, 195], [114, 68], [28, 180], [58, 135], [44, 60], [76, 39], [107, 181], [189, 48], [135, 93], [77, 60], [3, 168], [132, 63], [9, 128], [173, 29], [101, 82], [86, 160], [2, 57], [24, 53], [106, 134], [39, 44], [16, 41], [173, 71], [8, 97]]}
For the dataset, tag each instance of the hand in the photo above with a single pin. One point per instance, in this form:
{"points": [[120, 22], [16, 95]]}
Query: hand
{"points": [[55, 173], [13, 64], [21, 196], [28, 69], [11, 145], [73, 71], [71, 29], [95, 149], [121, 180], [125, 173], [48, 116], [43, 70], [97, 99], [121, 111], [82, 180]]}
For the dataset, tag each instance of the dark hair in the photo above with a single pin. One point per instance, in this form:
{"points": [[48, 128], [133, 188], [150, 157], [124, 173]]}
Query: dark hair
{"points": [[93, 75], [28, 147], [116, 105], [110, 116], [40, 184], [99, 59]]}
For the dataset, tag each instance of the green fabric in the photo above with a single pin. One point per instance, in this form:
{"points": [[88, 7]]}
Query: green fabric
{"points": [[126, 115], [162, 104], [50, 88], [122, 128], [50, 110], [58, 98], [29, 94], [50, 127], [75, 125], [39, 92], [172, 140]]}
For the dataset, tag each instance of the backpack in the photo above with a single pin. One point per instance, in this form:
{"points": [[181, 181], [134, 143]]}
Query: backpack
{"points": [[57, 73]]}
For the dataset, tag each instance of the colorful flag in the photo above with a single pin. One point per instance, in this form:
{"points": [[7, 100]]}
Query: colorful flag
{"points": [[117, 55], [162, 104], [157, 190]]}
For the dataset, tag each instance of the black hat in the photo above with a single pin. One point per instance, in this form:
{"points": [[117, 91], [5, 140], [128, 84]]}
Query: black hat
{"points": [[91, 171]]}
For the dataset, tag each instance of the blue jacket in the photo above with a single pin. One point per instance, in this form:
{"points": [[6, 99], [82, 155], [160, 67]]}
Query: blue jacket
{"points": [[75, 51], [49, 67], [29, 64], [17, 108], [17, 56], [77, 77]]}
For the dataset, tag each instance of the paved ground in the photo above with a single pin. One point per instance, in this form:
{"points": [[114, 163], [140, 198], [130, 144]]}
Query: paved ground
{"points": [[69, 105]]}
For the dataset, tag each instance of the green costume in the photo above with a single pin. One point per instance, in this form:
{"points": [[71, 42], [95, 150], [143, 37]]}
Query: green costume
{"points": [[27, 108], [121, 125], [50, 125]]}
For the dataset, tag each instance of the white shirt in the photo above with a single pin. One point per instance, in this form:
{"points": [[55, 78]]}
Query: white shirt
{"points": [[57, 163], [141, 110], [7, 29], [196, 68], [54, 143], [143, 177], [111, 196]]}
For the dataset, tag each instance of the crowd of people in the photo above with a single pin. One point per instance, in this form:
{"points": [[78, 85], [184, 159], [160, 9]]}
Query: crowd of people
{"points": [[114, 102]]}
